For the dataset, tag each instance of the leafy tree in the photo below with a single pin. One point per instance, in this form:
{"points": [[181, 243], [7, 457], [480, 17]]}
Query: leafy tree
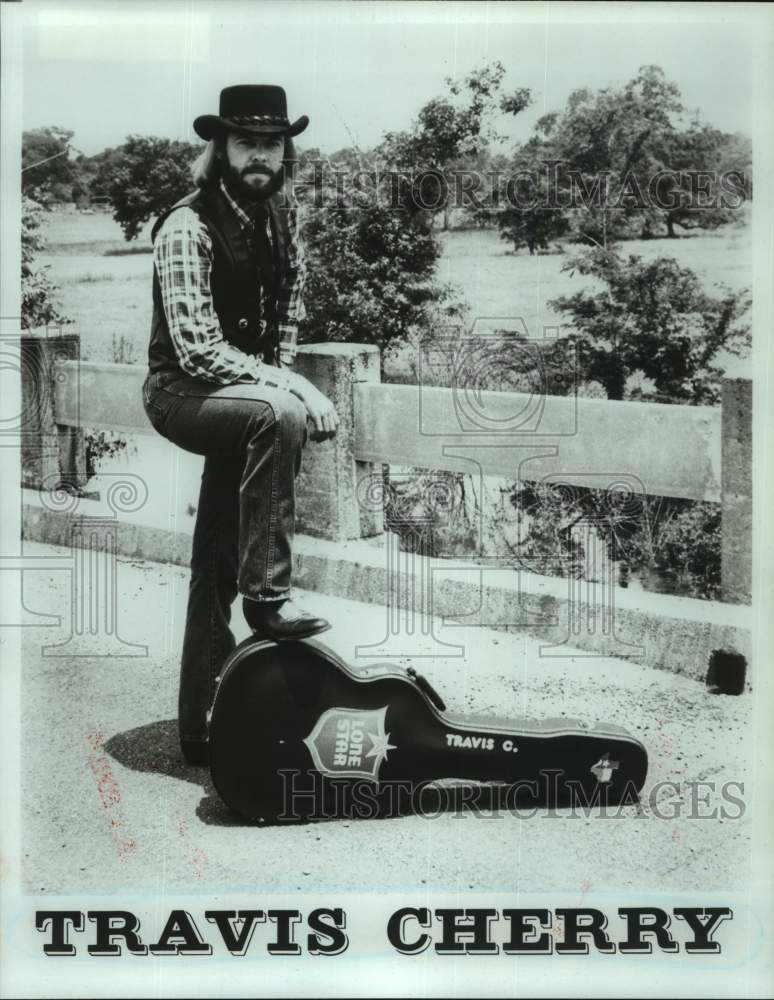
{"points": [[524, 215], [701, 197], [735, 154], [145, 176], [534, 228], [38, 291], [48, 172], [93, 174], [601, 136], [452, 134], [654, 319], [627, 161], [100, 169]]}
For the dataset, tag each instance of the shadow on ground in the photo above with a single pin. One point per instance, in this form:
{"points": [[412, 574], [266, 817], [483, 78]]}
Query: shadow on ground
{"points": [[154, 749]]}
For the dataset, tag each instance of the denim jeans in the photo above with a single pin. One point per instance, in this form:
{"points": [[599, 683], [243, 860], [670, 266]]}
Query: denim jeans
{"points": [[252, 438]]}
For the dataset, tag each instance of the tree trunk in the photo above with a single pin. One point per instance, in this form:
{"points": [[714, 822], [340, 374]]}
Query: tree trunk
{"points": [[615, 383], [671, 227]]}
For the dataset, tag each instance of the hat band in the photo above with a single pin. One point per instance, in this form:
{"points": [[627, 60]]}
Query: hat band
{"points": [[258, 120]]}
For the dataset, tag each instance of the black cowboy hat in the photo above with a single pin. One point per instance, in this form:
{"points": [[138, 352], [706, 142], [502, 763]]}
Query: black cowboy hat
{"points": [[259, 109]]}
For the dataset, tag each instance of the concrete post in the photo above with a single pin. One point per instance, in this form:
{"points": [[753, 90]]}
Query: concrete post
{"points": [[51, 456], [329, 488], [736, 486]]}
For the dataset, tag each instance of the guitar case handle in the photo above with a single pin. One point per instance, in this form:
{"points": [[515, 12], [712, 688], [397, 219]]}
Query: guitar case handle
{"points": [[424, 685]]}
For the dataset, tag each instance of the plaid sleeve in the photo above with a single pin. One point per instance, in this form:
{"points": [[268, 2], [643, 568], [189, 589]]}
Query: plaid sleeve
{"points": [[290, 301], [182, 254]]}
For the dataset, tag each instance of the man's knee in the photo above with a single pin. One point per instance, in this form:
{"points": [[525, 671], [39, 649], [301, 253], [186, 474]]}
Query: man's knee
{"points": [[289, 414]]}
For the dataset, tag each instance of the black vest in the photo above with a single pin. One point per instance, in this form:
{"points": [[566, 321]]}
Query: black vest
{"points": [[235, 280]]}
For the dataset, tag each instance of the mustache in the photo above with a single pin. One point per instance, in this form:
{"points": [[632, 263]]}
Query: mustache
{"points": [[256, 169]]}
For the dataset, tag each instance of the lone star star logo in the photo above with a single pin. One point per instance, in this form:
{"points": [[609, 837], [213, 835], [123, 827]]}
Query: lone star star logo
{"points": [[350, 742], [380, 745]]}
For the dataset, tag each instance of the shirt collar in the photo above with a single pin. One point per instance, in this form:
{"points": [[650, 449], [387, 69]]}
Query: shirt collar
{"points": [[245, 212]]}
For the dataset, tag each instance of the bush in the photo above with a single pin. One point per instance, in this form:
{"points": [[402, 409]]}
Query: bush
{"points": [[100, 444], [556, 530], [670, 545], [38, 291], [678, 549], [652, 319], [371, 272]]}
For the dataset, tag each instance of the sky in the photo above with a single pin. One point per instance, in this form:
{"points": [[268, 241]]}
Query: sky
{"points": [[109, 69]]}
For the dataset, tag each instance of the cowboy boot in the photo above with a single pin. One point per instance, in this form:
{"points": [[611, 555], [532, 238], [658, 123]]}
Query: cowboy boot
{"points": [[281, 620]]}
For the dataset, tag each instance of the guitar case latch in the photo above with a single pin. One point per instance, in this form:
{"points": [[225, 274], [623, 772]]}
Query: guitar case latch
{"points": [[424, 685]]}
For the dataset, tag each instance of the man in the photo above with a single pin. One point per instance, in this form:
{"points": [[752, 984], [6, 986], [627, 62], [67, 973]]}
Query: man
{"points": [[227, 286]]}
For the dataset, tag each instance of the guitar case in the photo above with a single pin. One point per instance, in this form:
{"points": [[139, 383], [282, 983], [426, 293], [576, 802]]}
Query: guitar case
{"points": [[297, 734]]}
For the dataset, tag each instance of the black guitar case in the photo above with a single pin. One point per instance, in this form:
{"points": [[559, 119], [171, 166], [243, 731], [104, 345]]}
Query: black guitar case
{"points": [[295, 733]]}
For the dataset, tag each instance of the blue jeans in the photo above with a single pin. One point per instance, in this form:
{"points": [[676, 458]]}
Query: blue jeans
{"points": [[252, 438]]}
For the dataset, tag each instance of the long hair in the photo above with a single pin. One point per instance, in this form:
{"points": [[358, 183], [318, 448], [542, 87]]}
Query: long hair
{"points": [[206, 169]]}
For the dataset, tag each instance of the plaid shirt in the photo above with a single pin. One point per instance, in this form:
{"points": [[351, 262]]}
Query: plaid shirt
{"points": [[182, 254]]}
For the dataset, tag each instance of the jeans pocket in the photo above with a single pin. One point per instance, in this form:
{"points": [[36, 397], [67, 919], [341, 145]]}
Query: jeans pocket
{"points": [[150, 395]]}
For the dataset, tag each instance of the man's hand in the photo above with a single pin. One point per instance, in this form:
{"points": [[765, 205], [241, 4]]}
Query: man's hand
{"points": [[319, 407]]}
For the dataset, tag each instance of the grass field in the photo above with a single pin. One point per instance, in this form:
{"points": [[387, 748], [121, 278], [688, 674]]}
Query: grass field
{"points": [[105, 283], [498, 283]]}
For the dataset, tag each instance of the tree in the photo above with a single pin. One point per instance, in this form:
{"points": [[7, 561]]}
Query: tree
{"points": [[452, 134], [624, 162], [534, 228], [711, 173], [735, 154], [144, 177], [37, 299], [654, 319], [524, 215], [48, 172]]}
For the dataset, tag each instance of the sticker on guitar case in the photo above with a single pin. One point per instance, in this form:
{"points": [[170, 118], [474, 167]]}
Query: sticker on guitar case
{"points": [[350, 742], [603, 769]]}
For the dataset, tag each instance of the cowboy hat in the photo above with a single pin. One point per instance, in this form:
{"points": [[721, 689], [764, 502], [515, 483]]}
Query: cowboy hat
{"points": [[258, 109]]}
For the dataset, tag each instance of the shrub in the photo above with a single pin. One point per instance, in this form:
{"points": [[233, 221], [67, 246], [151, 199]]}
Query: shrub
{"points": [[671, 545], [371, 272], [652, 319], [38, 291]]}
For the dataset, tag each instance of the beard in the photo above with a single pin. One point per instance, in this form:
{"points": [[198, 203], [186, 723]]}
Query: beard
{"points": [[240, 184]]}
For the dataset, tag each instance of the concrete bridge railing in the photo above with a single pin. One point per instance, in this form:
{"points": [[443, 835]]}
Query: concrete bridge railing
{"points": [[696, 453]]}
